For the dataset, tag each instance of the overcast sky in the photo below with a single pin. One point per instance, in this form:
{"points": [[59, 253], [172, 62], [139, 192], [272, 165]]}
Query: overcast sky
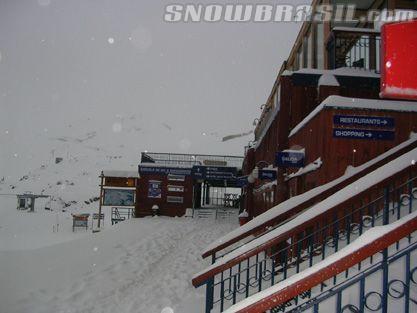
{"points": [[93, 60]]}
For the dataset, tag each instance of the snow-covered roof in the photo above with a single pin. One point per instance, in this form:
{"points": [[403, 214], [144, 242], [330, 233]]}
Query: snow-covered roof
{"points": [[307, 169], [266, 186], [356, 103], [166, 165], [341, 71], [342, 195], [293, 202], [123, 174], [356, 30], [271, 119], [364, 240], [328, 80]]}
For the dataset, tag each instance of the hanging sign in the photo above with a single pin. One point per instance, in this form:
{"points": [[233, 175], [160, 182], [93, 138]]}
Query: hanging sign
{"points": [[267, 174], [290, 159]]}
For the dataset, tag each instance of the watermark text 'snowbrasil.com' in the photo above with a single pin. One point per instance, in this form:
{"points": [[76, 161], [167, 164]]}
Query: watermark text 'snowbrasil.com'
{"points": [[279, 13]]}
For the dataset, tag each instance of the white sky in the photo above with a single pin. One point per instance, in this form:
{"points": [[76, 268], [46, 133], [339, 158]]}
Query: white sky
{"points": [[57, 68]]}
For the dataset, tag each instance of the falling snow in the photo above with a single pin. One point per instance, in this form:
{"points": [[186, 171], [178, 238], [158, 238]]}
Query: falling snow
{"points": [[117, 127], [141, 39]]}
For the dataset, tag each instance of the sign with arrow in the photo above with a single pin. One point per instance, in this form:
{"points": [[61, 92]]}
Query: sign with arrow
{"points": [[345, 133], [214, 172], [365, 121]]}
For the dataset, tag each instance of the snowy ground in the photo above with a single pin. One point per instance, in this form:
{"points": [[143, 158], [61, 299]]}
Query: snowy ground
{"points": [[142, 265]]}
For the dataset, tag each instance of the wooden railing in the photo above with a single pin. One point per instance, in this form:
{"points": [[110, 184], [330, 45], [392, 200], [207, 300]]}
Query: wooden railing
{"points": [[300, 203], [359, 48]]}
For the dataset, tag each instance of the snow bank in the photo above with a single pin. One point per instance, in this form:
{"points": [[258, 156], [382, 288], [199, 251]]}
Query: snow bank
{"points": [[141, 265]]}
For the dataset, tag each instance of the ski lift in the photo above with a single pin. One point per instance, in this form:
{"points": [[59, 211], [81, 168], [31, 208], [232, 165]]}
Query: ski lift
{"points": [[26, 201]]}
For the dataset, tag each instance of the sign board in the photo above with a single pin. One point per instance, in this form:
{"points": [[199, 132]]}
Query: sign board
{"points": [[265, 174], [363, 134], [398, 60], [242, 181], [119, 197], [214, 163], [290, 159], [364, 121], [154, 190], [162, 170], [214, 172]]}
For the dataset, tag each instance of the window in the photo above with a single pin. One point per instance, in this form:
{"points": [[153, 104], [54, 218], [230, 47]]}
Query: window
{"points": [[173, 188], [172, 199], [172, 177]]}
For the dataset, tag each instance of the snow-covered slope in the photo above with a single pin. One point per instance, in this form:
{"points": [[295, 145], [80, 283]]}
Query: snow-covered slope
{"points": [[141, 266]]}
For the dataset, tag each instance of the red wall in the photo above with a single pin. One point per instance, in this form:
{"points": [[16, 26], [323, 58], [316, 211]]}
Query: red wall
{"points": [[144, 204], [317, 139]]}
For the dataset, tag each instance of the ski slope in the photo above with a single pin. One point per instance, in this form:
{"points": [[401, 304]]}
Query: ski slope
{"points": [[141, 266]]}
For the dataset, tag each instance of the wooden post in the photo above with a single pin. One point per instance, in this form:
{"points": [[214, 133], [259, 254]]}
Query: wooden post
{"points": [[101, 199]]}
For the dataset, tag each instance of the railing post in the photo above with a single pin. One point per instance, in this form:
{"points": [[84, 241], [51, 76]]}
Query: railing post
{"points": [[386, 206], [385, 281], [210, 294]]}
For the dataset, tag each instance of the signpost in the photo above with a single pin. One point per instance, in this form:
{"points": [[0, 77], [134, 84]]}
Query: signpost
{"points": [[364, 121], [290, 159], [345, 133]]}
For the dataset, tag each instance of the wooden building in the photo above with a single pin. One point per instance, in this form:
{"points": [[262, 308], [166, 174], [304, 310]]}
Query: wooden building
{"points": [[168, 187], [168, 184], [328, 59]]}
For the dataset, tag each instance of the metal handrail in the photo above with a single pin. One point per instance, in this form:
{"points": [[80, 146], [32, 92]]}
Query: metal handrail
{"points": [[278, 220], [306, 245]]}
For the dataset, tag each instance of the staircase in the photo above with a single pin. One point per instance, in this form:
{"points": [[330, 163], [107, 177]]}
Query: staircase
{"points": [[318, 234]]}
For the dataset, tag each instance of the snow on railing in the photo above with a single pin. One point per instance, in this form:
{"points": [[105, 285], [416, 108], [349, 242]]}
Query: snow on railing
{"points": [[375, 199], [366, 246], [299, 203], [361, 187]]}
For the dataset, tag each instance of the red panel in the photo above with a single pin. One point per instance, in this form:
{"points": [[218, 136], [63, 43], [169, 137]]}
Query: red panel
{"points": [[399, 61]]}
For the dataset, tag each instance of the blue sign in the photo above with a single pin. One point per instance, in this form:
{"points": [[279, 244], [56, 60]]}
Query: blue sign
{"points": [[154, 190], [214, 173], [242, 181], [290, 159], [265, 174], [363, 134], [162, 170], [374, 121]]}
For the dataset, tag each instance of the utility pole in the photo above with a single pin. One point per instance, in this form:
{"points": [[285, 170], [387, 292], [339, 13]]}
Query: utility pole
{"points": [[101, 199]]}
